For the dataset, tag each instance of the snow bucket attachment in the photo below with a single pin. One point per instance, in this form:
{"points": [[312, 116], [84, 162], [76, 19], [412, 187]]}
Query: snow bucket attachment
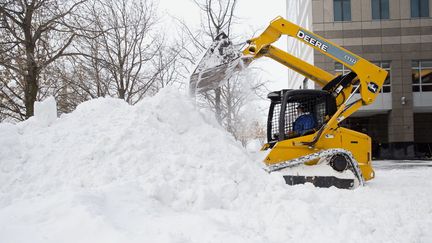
{"points": [[217, 65]]}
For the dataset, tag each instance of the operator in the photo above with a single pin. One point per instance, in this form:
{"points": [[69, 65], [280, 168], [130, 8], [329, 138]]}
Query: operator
{"points": [[305, 122]]}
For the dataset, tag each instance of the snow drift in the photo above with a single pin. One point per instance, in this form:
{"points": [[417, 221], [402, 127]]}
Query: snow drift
{"points": [[163, 171]]}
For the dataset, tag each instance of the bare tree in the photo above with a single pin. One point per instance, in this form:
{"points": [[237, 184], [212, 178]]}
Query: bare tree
{"points": [[218, 17], [253, 130], [228, 101], [75, 83], [168, 65], [236, 93], [35, 33], [121, 55]]}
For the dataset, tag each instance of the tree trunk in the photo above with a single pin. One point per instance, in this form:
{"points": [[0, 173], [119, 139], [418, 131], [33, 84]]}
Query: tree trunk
{"points": [[31, 77], [31, 69], [218, 105], [122, 93], [31, 90]]}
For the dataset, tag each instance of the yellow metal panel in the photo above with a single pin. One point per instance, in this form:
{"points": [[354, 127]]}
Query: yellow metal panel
{"points": [[311, 72]]}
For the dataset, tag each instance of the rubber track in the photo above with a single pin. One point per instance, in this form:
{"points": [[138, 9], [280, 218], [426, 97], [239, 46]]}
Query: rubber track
{"points": [[327, 154]]}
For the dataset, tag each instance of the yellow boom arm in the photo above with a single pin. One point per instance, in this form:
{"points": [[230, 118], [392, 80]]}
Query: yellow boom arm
{"points": [[371, 77]]}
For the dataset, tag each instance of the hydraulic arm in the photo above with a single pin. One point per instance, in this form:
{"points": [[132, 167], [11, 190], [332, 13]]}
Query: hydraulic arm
{"points": [[370, 77]]}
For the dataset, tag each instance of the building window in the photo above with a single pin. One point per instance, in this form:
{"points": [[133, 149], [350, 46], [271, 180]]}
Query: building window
{"points": [[342, 10], [380, 9], [341, 69], [387, 82], [422, 75], [419, 8]]}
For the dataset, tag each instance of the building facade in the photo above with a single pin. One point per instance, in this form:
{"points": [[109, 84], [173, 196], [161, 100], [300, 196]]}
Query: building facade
{"points": [[300, 13], [396, 35]]}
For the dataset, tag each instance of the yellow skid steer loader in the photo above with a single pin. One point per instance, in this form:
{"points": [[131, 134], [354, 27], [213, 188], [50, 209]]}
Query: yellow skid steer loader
{"points": [[304, 135]]}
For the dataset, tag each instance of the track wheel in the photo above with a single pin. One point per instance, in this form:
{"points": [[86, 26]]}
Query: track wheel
{"points": [[339, 162]]}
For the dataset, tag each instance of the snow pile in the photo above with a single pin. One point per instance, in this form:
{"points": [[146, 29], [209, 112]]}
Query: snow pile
{"points": [[181, 157], [162, 171], [46, 111]]}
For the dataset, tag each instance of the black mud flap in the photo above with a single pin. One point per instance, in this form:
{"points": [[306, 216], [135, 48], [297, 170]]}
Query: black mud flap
{"points": [[216, 66], [320, 181]]}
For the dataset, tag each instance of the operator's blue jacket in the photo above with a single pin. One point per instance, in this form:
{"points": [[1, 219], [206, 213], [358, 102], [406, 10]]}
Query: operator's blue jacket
{"points": [[304, 123]]}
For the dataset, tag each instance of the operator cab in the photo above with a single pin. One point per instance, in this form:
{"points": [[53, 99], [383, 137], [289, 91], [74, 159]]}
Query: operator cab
{"points": [[286, 108]]}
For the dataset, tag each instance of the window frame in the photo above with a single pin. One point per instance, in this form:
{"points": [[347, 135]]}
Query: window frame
{"points": [[420, 84], [381, 3], [342, 4], [419, 8]]}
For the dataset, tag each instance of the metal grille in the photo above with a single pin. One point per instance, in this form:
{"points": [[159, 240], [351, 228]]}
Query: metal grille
{"points": [[320, 111], [275, 122], [316, 106], [285, 115]]}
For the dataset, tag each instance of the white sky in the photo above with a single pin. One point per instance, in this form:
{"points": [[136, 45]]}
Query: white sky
{"points": [[254, 16]]}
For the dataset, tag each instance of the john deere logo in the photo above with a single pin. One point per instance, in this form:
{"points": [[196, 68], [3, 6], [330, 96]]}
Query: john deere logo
{"points": [[372, 87], [312, 41]]}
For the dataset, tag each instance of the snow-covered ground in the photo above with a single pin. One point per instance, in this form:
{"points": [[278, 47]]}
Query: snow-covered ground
{"points": [[164, 171]]}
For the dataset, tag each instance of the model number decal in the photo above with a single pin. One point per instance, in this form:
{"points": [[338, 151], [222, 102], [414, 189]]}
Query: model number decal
{"points": [[350, 59]]}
